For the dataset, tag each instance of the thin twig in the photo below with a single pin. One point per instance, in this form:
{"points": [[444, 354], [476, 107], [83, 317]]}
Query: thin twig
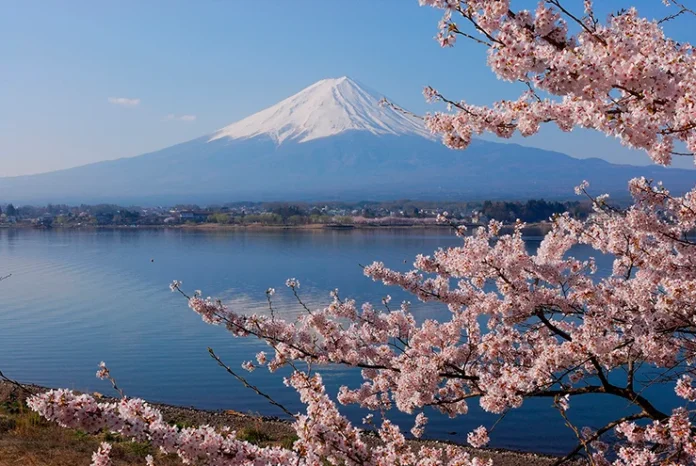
{"points": [[598, 434], [178, 288], [577, 20], [500, 418], [247, 384], [105, 374], [393, 106], [299, 300], [118, 389], [584, 443], [683, 10], [469, 36], [270, 305]]}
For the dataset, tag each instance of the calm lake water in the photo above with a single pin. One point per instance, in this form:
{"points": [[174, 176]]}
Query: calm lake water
{"points": [[79, 297]]}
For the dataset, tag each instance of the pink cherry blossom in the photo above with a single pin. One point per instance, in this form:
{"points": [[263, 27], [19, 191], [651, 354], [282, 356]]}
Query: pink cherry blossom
{"points": [[419, 427], [624, 78], [103, 372], [101, 456], [478, 437]]}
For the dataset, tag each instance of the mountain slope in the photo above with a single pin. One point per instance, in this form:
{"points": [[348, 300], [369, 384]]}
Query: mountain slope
{"points": [[330, 141]]}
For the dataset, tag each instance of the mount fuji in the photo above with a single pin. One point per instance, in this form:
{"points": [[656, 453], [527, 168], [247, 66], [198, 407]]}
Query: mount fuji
{"points": [[324, 109], [330, 141]]}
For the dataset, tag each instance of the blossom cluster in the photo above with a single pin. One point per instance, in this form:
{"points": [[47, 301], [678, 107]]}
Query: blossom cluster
{"points": [[324, 435], [135, 419], [624, 78]]}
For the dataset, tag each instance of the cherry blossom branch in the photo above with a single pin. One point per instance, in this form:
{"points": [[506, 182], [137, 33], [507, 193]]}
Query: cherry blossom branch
{"points": [[453, 28], [584, 443], [477, 26], [577, 20], [105, 374], [294, 284], [384, 102], [682, 10], [596, 435], [578, 71]]}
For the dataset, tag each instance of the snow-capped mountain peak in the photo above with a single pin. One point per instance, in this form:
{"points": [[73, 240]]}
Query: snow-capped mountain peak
{"points": [[326, 108]]}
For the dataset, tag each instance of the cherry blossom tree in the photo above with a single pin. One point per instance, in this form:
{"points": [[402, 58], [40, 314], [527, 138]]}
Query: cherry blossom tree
{"points": [[520, 325]]}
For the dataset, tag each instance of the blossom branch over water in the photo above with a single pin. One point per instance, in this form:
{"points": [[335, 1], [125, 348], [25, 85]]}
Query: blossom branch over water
{"points": [[551, 329]]}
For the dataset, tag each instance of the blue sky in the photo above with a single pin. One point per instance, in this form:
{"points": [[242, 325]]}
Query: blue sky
{"points": [[191, 67]]}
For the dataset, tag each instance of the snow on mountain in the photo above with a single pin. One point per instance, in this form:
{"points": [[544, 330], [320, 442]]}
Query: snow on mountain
{"points": [[326, 108]]}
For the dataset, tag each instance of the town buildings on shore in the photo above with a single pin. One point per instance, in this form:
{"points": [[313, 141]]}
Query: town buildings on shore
{"points": [[277, 213]]}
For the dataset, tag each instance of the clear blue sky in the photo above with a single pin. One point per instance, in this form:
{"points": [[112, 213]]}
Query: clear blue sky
{"points": [[222, 60]]}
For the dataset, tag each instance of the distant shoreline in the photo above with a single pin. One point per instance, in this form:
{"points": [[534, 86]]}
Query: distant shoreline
{"points": [[531, 229]]}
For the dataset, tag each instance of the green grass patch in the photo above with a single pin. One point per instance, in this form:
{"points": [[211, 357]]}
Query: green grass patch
{"points": [[253, 435], [139, 449], [181, 424], [112, 437], [11, 407], [287, 442], [30, 420]]}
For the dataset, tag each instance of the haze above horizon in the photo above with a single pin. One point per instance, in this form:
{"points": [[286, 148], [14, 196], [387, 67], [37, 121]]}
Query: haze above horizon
{"points": [[86, 82]]}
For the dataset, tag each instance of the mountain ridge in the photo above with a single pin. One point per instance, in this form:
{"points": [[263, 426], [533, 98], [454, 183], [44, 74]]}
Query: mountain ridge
{"points": [[337, 143]]}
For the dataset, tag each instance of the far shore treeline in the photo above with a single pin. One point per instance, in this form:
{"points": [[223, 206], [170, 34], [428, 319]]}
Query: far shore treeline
{"points": [[292, 214]]}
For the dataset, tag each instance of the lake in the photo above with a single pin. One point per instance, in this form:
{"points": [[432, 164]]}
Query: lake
{"points": [[77, 297]]}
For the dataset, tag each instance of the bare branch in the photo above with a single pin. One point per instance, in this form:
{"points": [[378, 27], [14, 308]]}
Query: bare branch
{"points": [[682, 10], [14, 382], [582, 24], [247, 384], [386, 103]]}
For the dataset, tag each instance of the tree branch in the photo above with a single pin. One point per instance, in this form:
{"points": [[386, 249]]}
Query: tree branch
{"points": [[247, 384], [598, 434]]}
